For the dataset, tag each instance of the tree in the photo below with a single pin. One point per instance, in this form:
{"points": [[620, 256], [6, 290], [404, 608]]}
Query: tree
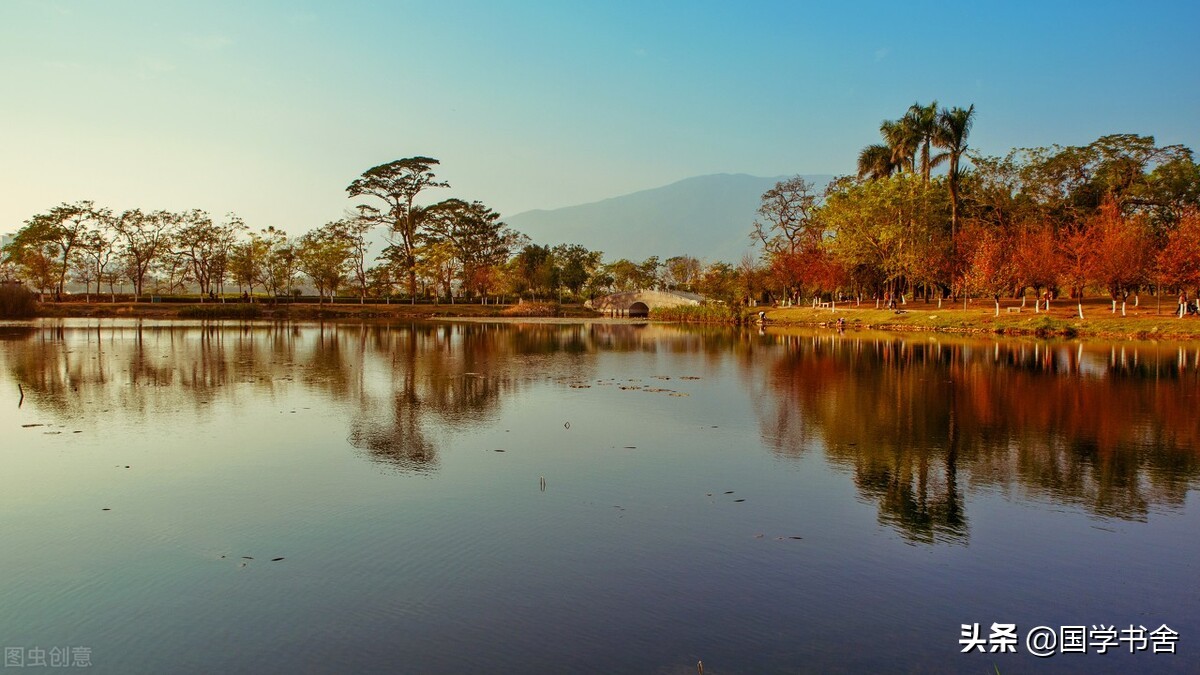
{"points": [[280, 263], [1179, 261], [97, 255], [787, 217], [682, 272], [34, 256], [144, 237], [648, 272], [397, 185], [1122, 252], [205, 247], [719, 281], [1076, 254], [903, 142], [1035, 258], [534, 270], [60, 230], [247, 261], [888, 232], [353, 229], [323, 255], [438, 265], [70, 223], [576, 265], [990, 270], [876, 161], [626, 275], [921, 123], [479, 241], [950, 133]]}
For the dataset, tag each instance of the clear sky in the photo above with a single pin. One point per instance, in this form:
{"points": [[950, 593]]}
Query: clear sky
{"points": [[271, 108]]}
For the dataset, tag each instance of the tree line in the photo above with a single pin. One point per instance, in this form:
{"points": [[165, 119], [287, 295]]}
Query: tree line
{"points": [[1120, 215], [436, 251]]}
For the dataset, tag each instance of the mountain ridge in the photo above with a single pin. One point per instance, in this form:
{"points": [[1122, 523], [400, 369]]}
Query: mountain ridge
{"points": [[707, 216]]}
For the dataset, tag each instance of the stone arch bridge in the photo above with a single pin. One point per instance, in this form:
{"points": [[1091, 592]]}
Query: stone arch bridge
{"points": [[639, 303]]}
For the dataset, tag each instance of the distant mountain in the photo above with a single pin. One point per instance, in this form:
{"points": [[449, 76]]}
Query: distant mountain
{"points": [[708, 217]]}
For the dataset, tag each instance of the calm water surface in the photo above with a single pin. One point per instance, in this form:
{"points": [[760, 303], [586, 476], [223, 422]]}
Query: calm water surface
{"points": [[788, 502]]}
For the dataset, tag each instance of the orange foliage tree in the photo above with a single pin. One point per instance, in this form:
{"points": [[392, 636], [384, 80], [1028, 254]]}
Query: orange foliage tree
{"points": [[1122, 252], [1179, 261]]}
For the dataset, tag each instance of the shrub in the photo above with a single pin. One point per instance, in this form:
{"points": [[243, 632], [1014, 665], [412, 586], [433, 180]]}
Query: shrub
{"points": [[532, 309], [16, 302], [220, 312], [700, 314]]}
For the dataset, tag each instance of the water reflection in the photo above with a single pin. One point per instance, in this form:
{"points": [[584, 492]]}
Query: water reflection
{"points": [[920, 424], [917, 421]]}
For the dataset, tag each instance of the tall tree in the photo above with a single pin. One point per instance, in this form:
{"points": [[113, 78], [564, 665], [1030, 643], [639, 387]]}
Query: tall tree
{"points": [[950, 133], [921, 123], [397, 185]]}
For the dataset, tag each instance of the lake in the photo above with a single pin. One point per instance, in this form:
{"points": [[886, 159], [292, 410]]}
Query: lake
{"points": [[604, 497]]}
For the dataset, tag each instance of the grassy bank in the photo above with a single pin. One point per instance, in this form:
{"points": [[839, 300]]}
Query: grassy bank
{"points": [[1139, 323]]}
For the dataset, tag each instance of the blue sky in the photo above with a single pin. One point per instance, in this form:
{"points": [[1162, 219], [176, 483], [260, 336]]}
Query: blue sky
{"points": [[270, 109]]}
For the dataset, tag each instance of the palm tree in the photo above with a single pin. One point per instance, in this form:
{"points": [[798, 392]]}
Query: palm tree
{"points": [[903, 143], [953, 127], [875, 161], [922, 122]]}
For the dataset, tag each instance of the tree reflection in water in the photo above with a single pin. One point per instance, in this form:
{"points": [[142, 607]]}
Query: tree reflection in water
{"points": [[1109, 428], [922, 423]]}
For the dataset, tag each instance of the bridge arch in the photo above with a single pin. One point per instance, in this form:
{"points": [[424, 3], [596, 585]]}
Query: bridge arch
{"points": [[640, 303]]}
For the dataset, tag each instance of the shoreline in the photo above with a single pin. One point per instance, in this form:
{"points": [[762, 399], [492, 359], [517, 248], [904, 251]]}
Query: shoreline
{"points": [[1100, 323], [1140, 324]]}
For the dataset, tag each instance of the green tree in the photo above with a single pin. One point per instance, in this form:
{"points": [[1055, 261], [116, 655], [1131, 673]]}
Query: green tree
{"points": [[876, 161], [280, 263], [576, 265], [535, 271], [921, 124], [323, 254], [34, 255], [247, 261], [479, 240], [61, 228], [397, 185]]}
